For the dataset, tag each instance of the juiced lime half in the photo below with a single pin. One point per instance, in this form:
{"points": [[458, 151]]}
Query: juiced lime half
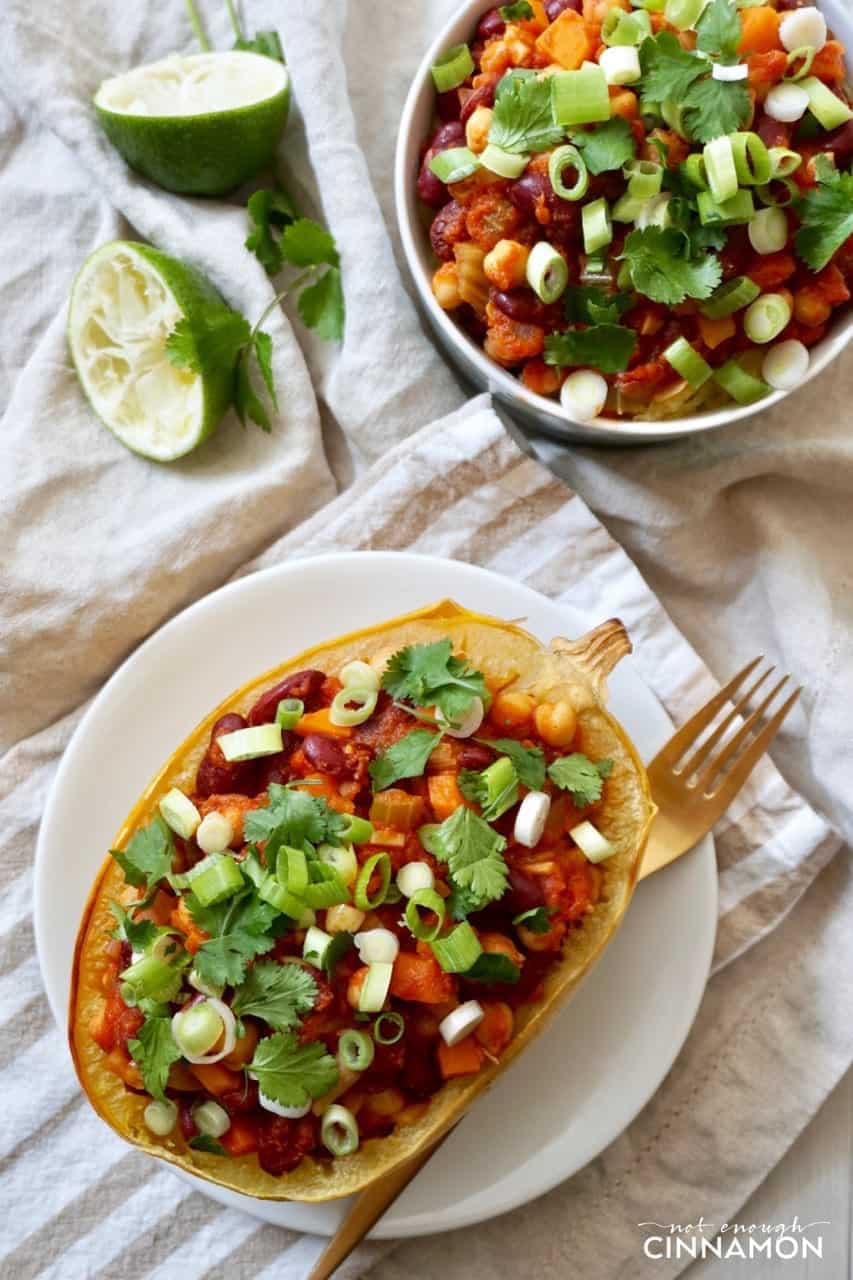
{"points": [[198, 125], [126, 300]]}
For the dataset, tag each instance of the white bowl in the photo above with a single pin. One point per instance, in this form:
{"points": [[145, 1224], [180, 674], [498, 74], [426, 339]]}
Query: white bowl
{"points": [[539, 412]]}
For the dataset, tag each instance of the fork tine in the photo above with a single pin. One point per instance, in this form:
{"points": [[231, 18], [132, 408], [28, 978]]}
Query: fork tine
{"points": [[701, 753], [688, 733], [730, 783], [730, 749]]}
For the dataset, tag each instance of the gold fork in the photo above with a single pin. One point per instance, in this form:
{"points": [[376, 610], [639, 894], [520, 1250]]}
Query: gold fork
{"points": [[691, 795]]}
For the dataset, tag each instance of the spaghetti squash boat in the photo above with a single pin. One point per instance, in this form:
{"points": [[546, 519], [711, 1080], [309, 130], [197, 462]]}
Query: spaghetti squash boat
{"points": [[352, 897]]}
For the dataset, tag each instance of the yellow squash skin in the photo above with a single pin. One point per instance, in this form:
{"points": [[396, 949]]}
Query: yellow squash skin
{"points": [[511, 658]]}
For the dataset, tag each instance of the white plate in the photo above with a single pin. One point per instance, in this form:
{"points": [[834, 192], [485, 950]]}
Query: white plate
{"points": [[576, 1088]]}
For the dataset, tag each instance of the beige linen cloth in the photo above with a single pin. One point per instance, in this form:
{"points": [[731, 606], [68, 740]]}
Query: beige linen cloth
{"points": [[745, 536]]}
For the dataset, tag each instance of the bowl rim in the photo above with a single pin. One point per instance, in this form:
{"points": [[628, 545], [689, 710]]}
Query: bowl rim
{"points": [[492, 376]]}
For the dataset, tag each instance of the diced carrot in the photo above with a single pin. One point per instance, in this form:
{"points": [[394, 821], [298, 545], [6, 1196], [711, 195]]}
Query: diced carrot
{"points": [[539, 21], [181, 919], [759, 30], [623, 102], [444, 794], [773, 269], [765, 70], [829, 62], [240, 1139], [216, 1079], [158, 909], [495, 1031], [421, 978], [568, 41], [323, 785], [715, 332], [466, 1057], [396, 809], [319, 722]]}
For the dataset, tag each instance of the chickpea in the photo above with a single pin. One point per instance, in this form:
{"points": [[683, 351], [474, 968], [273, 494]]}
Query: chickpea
{"points": [[505, 265], [512, 710], [343, 918], [556, 723], [498, 944], [354, 986], [445, 287], [477, 129]]}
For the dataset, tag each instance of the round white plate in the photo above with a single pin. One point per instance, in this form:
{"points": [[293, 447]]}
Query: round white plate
{"points": [[585, 1079]]}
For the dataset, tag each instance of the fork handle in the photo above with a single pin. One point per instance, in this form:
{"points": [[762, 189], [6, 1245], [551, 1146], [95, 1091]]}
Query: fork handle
{"points": [[667, 841]]}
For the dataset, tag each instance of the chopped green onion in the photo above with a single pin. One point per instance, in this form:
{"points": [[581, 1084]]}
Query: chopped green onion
{"points": [[752, 160], [459, 950], [341, 858], [277, 896], [396, 1020], [787, 102], [583, 395], [179, 813], [160, 1117], [721, 169], [593, 845], [196, 1029], [355, 1050], [251, 744], [360, 675], [784, 162], [452, 68], [374, 988], [645, 178], [627, 208], [695, 172], [339, 1127], [153, 977], [453, 164], [326, 888], [673, 114], [651, 6], [340, 711], [621, 65], [826, 107], [580, 97], [292, 869], [731, 213], [767, 317], [506, 164], [215, 878], [380, 863], [656, 212], [547, 272], [288, 712], [620, 28], [786, 365], [315, 945], [739, 384], [357, 830], [769, 195], [730, 297], [687, 362], [212, 1119], [597, 227], [562, 159], [808, 53], [684, 14], [768, 231], [425, 900]]}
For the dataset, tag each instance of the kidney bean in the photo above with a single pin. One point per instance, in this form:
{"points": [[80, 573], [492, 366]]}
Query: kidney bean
{"points": [[527, 192], [241, 1101], [430, 188], [448, 227], [186, 1122], [491, 24], [450, 134], [783, 5], [325, 754], [475, 756], [553, 8], [525, 891], [282, 1143], [840, 143], [305, 685], [484, 96], [523, 305], [773, 133], [216, 776], [447, 105], [275, 768]]}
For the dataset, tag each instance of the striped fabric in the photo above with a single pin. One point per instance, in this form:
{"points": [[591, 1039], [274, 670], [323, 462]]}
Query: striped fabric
{"points": [[78, 1202]]}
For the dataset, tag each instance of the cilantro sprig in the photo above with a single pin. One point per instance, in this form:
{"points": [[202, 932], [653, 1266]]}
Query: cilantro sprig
{"points": [[529, 761], [429, 675], [606, 146], [406, 758], [278, 993], [672, 74], [240, 929], [518, 12], [826, 215], [522, 117], [148, 857], [473, 852], [608, 347], [293, 817], [154, 1050], [292, 1074], [589, 304], [663, 269], [580, 776]]}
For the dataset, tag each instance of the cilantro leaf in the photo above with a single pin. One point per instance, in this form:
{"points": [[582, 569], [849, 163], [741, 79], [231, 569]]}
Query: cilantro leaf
{"points": [[239, 930], [247, 402], [292, 817], [588, 304], [268, 210], [215, 338], [522, 118], [668, 70], [278, 993], [462, 902], [148, 856], [607, 146], [264, 42], [473, 852], [406, 758], [580, 776], [429, 675], [537, 919], [321, 306], [826, 214], [140, 934], [714, 107], [518, 12], [291, 1074], [490, 966], [154, 1050], [204, 1142], [608, 347], [718, 31], [661, 270], [304, 243], [529, 761], [262, 345]]}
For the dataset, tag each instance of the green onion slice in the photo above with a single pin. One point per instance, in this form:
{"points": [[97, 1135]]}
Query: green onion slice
{"points": [[771, 195], [425, 900], [627, 209], [826, 107], [784, 162], [357, 830], [734, 212], [215, 878], [374, 989], [645, 178], [355, 1050], [277, 896], [767, 317], [580, 97], [315, 946], [597, 226], [695, 172], [292, 869], [339, 1127], [381, 863], [752, 159], [620, 28], [397, 1023], [547, 272], [506, 164], [806, 52], [452, 68], [288, 712], [684, 14], [739, 384], [459, 950], [454, 164], [342, 713], [341, 858], [326, 888], [564, 158], [721, 169], [730, 297], [687, 362], [768, 230]]}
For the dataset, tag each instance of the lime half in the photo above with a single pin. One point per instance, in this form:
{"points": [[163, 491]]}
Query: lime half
{"points": [[126, 300], [199, 125]]}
